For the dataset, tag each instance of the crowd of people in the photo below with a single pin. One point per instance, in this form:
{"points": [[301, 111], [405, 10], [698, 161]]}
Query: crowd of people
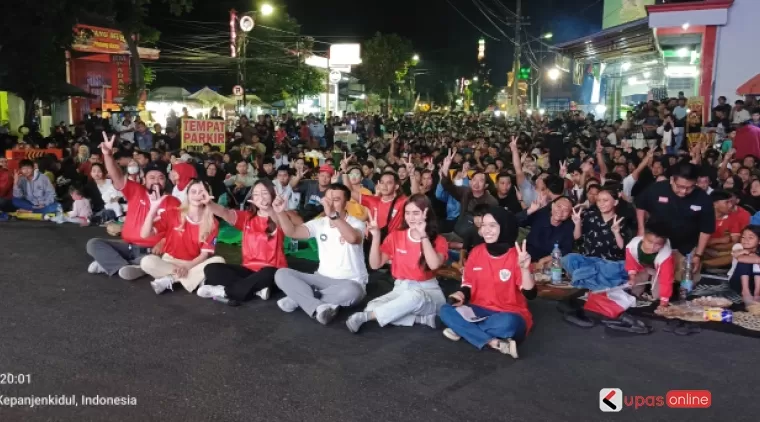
{"points": [[491, 196]]}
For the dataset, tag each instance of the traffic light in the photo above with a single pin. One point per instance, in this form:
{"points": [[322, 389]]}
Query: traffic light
{"points": [[524, 74]]}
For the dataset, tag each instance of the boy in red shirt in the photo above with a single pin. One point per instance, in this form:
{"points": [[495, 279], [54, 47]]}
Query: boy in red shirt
{"points": [[651, 253], [388, 205]]}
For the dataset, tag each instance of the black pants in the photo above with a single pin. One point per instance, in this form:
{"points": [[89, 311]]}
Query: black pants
{"points": [[736, 279], [239, 282]]}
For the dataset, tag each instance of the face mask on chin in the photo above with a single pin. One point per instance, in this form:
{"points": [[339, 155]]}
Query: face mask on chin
{"points": [[133, 170]]}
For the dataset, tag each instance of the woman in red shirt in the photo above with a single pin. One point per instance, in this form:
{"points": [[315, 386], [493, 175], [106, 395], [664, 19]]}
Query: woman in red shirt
{"points": [[263, 252], [190, 239], [491, 307], [415, 252]]}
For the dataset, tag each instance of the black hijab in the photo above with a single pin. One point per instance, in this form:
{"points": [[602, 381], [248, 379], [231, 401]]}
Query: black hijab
{"points": [[508, 233]]}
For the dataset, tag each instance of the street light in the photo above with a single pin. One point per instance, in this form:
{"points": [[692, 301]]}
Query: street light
{"points": [[416, 57], [547, 36], [475, 78], [266, 9], [553, 74]]}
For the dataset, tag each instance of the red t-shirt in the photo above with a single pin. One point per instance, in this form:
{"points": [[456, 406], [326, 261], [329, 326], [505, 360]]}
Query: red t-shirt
{"points": [[375, 204], [183, 241], [742, 217], [259, 249], [730, 224], [138, 202], [495, 283], [405, 255]]}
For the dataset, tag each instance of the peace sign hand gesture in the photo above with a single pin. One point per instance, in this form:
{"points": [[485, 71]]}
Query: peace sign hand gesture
{"points": [[344, 163], [513, 142], [577, 215], [562, 169], [107, 145], [448, 160], [616, 224], [372, 226], [523, 258]]}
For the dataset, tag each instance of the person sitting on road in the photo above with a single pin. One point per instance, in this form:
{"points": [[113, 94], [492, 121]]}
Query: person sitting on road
{"points": [[342, 274], [190, 232], [491, 307], [263, 251], [123, 257], [650, 257], [415, 252], [549, 225], [81, 210], [32, 191]]}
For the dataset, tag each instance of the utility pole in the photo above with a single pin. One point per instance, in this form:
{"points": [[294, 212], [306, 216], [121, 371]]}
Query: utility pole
{"points": [[518, 52]]}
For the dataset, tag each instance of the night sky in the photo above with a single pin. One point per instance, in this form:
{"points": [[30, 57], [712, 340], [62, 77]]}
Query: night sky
{"points": [[439, 34]]}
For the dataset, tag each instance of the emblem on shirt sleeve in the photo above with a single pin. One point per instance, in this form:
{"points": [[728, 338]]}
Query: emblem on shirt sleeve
{"points": [[505, 275], [696, 208], [323, 237]]}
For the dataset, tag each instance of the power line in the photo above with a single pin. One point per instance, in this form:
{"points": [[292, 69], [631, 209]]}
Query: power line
{"points": [[470, 22]]}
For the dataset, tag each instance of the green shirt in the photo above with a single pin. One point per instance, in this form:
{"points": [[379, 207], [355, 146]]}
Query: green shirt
{"points": [[646, 259]]}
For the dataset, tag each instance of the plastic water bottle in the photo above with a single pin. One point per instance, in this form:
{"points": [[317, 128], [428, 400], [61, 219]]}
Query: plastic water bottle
{"points": [[58, 215], [687, 283], [556, 268], [293, 246]]}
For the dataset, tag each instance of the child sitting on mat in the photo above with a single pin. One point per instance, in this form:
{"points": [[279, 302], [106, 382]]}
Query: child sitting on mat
{"points": [[651, 252]]}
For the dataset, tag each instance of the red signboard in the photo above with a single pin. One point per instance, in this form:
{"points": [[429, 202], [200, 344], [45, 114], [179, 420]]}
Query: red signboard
{"points": [[120, 75], [94, 39]]}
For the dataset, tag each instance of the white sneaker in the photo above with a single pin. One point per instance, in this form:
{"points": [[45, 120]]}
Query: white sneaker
{"points": [[131, 272], [210, 292], [96, 268], [161, 284], [263, 293], [287, 304], [325, 313], [508, 347], [451, 335], [355, 321]]}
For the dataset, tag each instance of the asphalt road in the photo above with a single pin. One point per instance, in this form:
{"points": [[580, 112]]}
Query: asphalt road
{"points": [[186, 359]]}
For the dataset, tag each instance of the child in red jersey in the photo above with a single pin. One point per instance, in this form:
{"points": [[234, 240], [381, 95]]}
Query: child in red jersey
{"points": [[415, 252], [263, 252], [190, 233], [491, 308]]}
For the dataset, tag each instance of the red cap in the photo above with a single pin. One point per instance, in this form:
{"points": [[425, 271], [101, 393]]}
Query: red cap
{"points": [[326, 168]]}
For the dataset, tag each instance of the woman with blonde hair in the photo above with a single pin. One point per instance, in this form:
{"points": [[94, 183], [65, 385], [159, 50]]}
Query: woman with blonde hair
{"points": [[190, 240]]}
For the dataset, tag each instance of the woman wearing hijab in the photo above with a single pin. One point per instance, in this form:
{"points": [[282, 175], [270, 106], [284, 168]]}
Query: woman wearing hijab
{"points": [[415, 252], [181, 175], [491, 307]]}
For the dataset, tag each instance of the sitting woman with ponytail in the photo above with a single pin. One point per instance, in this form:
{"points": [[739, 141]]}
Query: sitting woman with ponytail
{"points": [[415, 252], [263, 252], [491, 308], [190, 240]]}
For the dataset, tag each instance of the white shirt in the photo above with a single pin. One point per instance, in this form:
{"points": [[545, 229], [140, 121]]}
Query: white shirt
{"points": [[338, 259], [628, 183], [128, 136], [282, 161], [179, 194], [741, 116], [108, 192]]}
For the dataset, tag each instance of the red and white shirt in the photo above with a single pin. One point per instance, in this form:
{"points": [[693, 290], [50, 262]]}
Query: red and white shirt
{"points": [[183, 241], [495, 283], [730, 224], [260, 249], [138, 201], [383, 210], [405, 254]]}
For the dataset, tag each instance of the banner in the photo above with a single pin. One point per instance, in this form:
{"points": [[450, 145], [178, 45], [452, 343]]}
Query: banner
{"points": [[618, 12], [120, 75], [195, 133], [94, 39]]}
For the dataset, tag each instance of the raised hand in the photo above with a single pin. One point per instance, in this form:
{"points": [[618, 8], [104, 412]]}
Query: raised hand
{"points": [[16, 177], [336, 177], [372, 226], [327, 206], [107, 145], [535, 206], [562, 169], [523, 258], [344, 163], [513, 142], [278, 205], [616, 224], [577, 214], [156, 199], [206, 198], [599, 148]]}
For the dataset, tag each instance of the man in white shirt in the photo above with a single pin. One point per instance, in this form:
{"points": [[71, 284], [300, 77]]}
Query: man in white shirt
{"points": [[282, 188], [126, 129], [280, 159], [741, 115], [342, 274]]}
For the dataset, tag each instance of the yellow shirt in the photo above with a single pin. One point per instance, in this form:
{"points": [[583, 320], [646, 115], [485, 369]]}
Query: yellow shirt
{"points": [[357, 210]]}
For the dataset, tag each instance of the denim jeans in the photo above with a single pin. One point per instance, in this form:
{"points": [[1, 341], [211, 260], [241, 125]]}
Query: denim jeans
{"points": [[499, 325], [588, 272], [23, 204]]}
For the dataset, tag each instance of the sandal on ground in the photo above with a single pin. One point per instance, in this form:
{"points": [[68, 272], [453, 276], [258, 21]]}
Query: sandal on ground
{"points": [[628, 324], [687, 329], [578, 319], [672, 325]]}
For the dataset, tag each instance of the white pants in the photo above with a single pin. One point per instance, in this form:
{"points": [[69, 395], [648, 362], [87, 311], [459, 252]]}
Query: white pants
{"points": [[158, 267], [407, 302]]}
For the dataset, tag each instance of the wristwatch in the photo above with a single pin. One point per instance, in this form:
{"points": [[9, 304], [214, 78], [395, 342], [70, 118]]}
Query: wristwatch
{"points": [[334, 216]]}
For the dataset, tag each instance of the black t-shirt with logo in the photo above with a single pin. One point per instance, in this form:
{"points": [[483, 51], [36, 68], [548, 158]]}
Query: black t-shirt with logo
{"points": [[684, 218]]}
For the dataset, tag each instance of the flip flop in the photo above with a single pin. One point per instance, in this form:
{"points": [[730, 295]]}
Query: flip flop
{"points": [[672, 325], [628, 324], [579, 320], [687, 329]]}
